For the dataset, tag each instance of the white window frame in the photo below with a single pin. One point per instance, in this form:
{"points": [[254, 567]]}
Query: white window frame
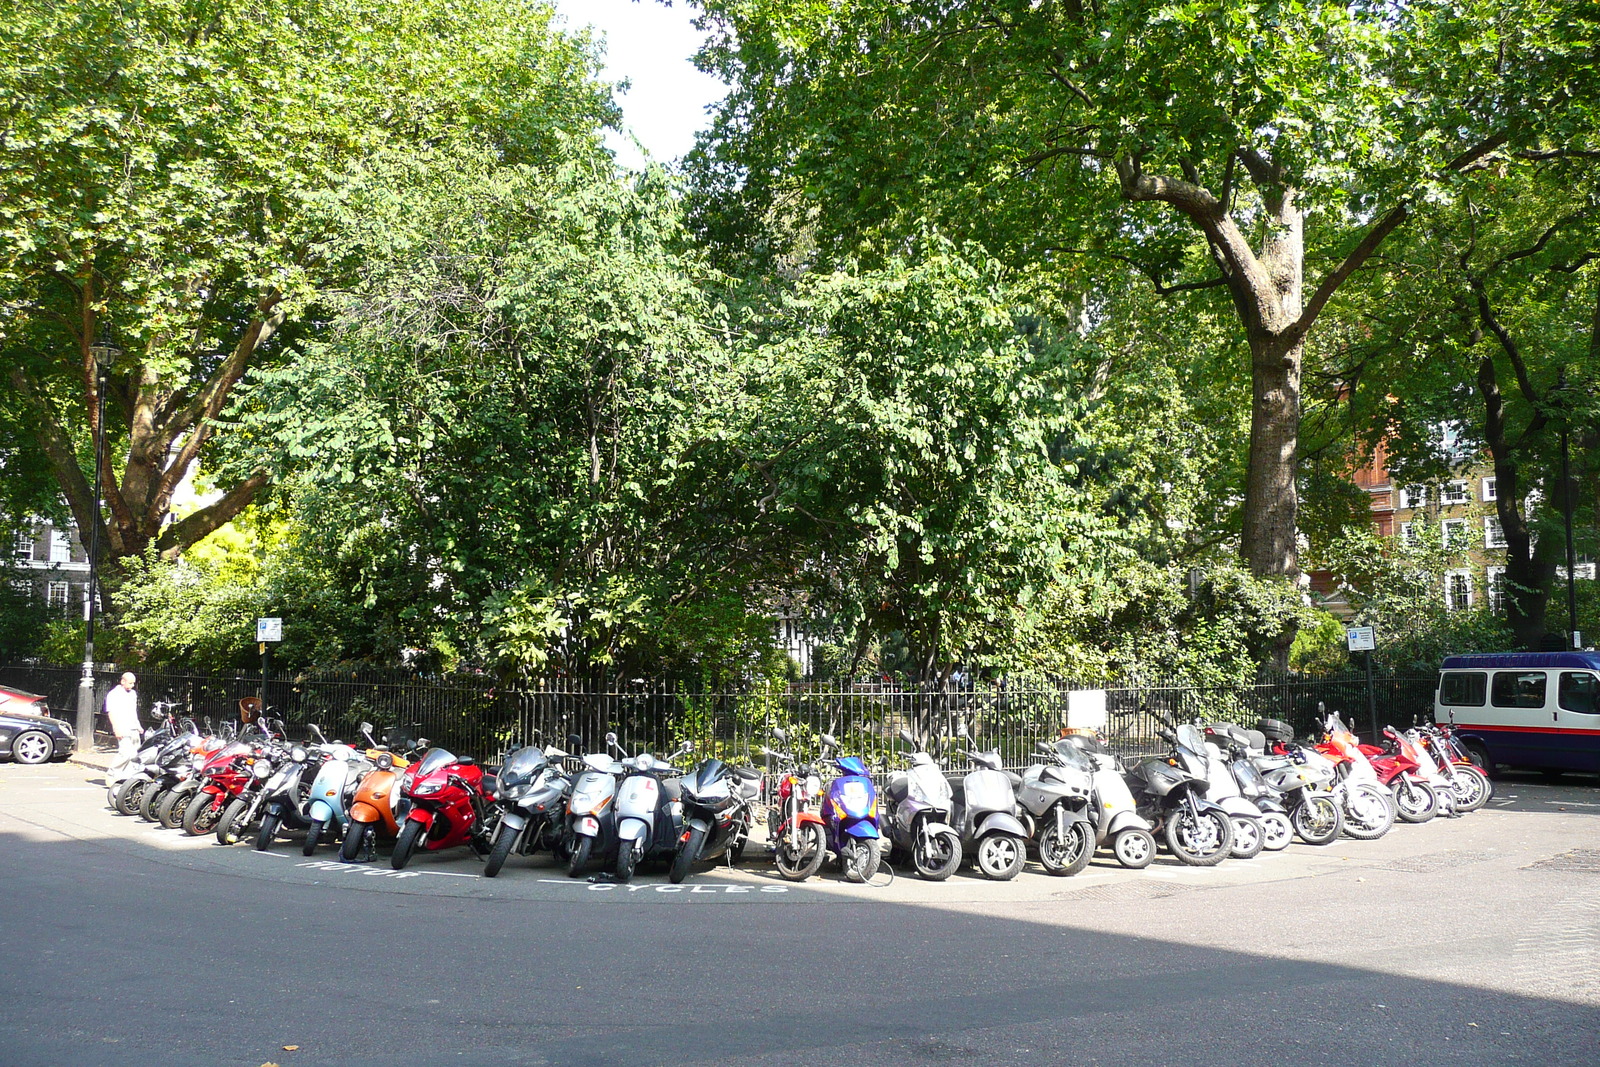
{"points": [[57, 595], [1455, 492], [23, 546], [1457, 579], [60, 547], [1494, 588], [1493, 535], [1453, 534], [1408, 533], [1487, 489], [1413, 496]]}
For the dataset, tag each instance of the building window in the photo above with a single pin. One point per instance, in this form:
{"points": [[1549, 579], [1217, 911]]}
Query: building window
{"points": [[1454, 493], [1583, 571], [1493, 535], [60, 547], [23, 546], [55, 595], [1414, 496], [1487, 492], [1494, 586], [1457, 590], [1453, 533], [1408, 533]]}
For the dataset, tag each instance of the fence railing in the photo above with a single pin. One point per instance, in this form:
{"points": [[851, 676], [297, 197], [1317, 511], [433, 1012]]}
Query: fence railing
{"points": [[475, 715]]}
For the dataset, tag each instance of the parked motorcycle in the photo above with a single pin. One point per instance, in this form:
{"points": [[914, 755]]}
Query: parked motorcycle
{"points": [[1172, 797], [1368, 808], [1222, 789], [1307, 787], [1115, 812], [795, 833], [1235, 747], [449, 797], [1055, 800], [226, 775], [1401, 771], [531, 794], [591, 830], [918, 803], [717, 800], [127, 780], [1473, 787], [985, 815]]}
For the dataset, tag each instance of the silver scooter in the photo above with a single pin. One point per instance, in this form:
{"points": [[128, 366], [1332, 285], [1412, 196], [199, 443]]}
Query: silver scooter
{"points": [[1116, 816], [986, 815], [1222, 789], [917, 816], [649, 810]]}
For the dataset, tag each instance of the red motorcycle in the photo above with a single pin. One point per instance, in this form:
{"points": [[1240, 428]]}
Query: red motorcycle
{"points": [[1401, 771], [225, 776], [450, 798]]}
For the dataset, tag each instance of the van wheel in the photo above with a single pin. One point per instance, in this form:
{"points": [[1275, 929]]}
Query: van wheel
{"points": [[1479, 755]]}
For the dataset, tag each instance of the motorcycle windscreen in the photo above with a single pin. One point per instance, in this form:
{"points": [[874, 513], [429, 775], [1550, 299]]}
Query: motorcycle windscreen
{"points": [[436, 759], [520, 767], [1072, 756]]}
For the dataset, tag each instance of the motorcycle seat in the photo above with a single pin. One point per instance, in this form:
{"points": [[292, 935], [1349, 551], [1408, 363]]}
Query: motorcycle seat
{"points": [[748, 774]]}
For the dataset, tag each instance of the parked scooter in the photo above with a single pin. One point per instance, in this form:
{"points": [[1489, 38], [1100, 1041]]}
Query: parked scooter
{"points": [[795, 833], [917, 816], [1307, 787], [591, 829], [531, 793], [1172, 796], [850, 816], [1234, 746], [986, 815], [449, 807], [649, 810], [284, 793], [717, 801], [325, 812], [1116, 814], [379, 804], [1055, 799]]}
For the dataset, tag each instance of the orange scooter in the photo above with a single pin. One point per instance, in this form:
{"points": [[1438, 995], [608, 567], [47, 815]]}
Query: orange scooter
{"points": [[378, 805]]}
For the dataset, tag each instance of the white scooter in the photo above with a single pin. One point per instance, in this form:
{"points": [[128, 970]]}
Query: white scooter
{"points": [[986, 815], [649, 810], [1116, 818]]}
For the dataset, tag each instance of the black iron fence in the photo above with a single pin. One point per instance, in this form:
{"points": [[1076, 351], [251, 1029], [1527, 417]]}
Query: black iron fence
{"points": [[476, 715]]}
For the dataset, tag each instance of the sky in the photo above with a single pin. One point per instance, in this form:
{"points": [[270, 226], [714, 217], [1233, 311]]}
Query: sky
{"points": [[650, 45]]}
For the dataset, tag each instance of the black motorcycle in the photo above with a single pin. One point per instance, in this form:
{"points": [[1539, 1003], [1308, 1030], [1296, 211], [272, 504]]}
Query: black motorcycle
{"points": [[717, 805]]}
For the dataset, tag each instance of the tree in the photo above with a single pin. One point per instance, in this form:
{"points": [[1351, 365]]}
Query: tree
{"points": [[171, 175], [1262, 149]]}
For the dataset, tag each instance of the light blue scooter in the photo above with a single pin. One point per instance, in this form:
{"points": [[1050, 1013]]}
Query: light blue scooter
{"points": [[327, 804]]}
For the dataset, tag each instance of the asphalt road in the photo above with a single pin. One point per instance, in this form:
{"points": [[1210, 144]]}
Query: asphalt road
{"points": [[1469, 941]]}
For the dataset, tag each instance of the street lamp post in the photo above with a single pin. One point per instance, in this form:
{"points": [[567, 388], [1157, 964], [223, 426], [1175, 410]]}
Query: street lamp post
{"points": [[105, 353]]}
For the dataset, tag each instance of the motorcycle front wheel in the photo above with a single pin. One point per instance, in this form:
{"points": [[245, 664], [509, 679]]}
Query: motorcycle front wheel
{"points": [[1066, 854], [580, 856], [405, 846], [1134, 849], [269, 831], [129, 794], [802, 857], [1199, 841], [202, 814], [860, 859], [230, 827], [1471, 786], [501, 851], [150, 803], [1368, 813], [1277, 830], [936, 856], [174, 804], [313, 835], [686, 855], [1249, 838], [1317, 820], [1414, 801], [355, 840], [1000, 856]]}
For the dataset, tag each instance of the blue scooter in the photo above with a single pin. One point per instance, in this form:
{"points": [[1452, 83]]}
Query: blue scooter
{"points": [[850, 816]]}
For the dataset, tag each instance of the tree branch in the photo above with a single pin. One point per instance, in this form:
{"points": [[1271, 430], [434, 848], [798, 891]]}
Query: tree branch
{"points": [[178, 536], [1358, 255]]}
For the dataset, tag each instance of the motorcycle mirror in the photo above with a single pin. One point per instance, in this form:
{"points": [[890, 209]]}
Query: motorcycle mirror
{"points": [[423, 742], [906, 736], [830, 741], [1043, 746], [961, 732], [611, 737], [574, 742], [780, 733]]}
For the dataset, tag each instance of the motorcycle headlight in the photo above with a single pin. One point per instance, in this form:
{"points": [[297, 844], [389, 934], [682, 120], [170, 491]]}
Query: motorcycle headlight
{"points": [[260, 769], [426, 789], [297, 754], [197, 762]]}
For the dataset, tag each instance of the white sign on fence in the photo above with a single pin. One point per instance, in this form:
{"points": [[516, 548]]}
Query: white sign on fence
{"points": [[269, 629], [1361, 638], [1086, 708]]}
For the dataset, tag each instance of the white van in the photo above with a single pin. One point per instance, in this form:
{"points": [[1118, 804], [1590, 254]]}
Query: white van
{"points": [[1524, 709]]}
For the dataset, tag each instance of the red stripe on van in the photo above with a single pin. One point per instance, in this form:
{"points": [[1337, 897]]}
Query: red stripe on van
{"points": [[1522, 729]]}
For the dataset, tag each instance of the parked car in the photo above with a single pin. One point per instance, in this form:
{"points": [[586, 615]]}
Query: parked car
{"points": [[28, 733]]}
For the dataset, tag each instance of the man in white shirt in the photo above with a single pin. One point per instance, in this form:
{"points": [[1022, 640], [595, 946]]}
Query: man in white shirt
{"points": [[122, 708]]}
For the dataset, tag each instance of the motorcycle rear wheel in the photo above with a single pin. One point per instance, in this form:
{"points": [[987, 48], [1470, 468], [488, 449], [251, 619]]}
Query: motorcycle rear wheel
{"points": [[1414, 801], [1066, 854], [798, 860], [313, 835], [405, 846], [936, 856], [1199, 842], [1317, 820], [686, 855], [129, 794], [860, 860], [355, 840], [269, 830], [503, 840]]}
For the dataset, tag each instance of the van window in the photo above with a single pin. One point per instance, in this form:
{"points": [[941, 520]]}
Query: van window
{"points": [[1578, 692], [1518, 689], [1463, 689]]}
